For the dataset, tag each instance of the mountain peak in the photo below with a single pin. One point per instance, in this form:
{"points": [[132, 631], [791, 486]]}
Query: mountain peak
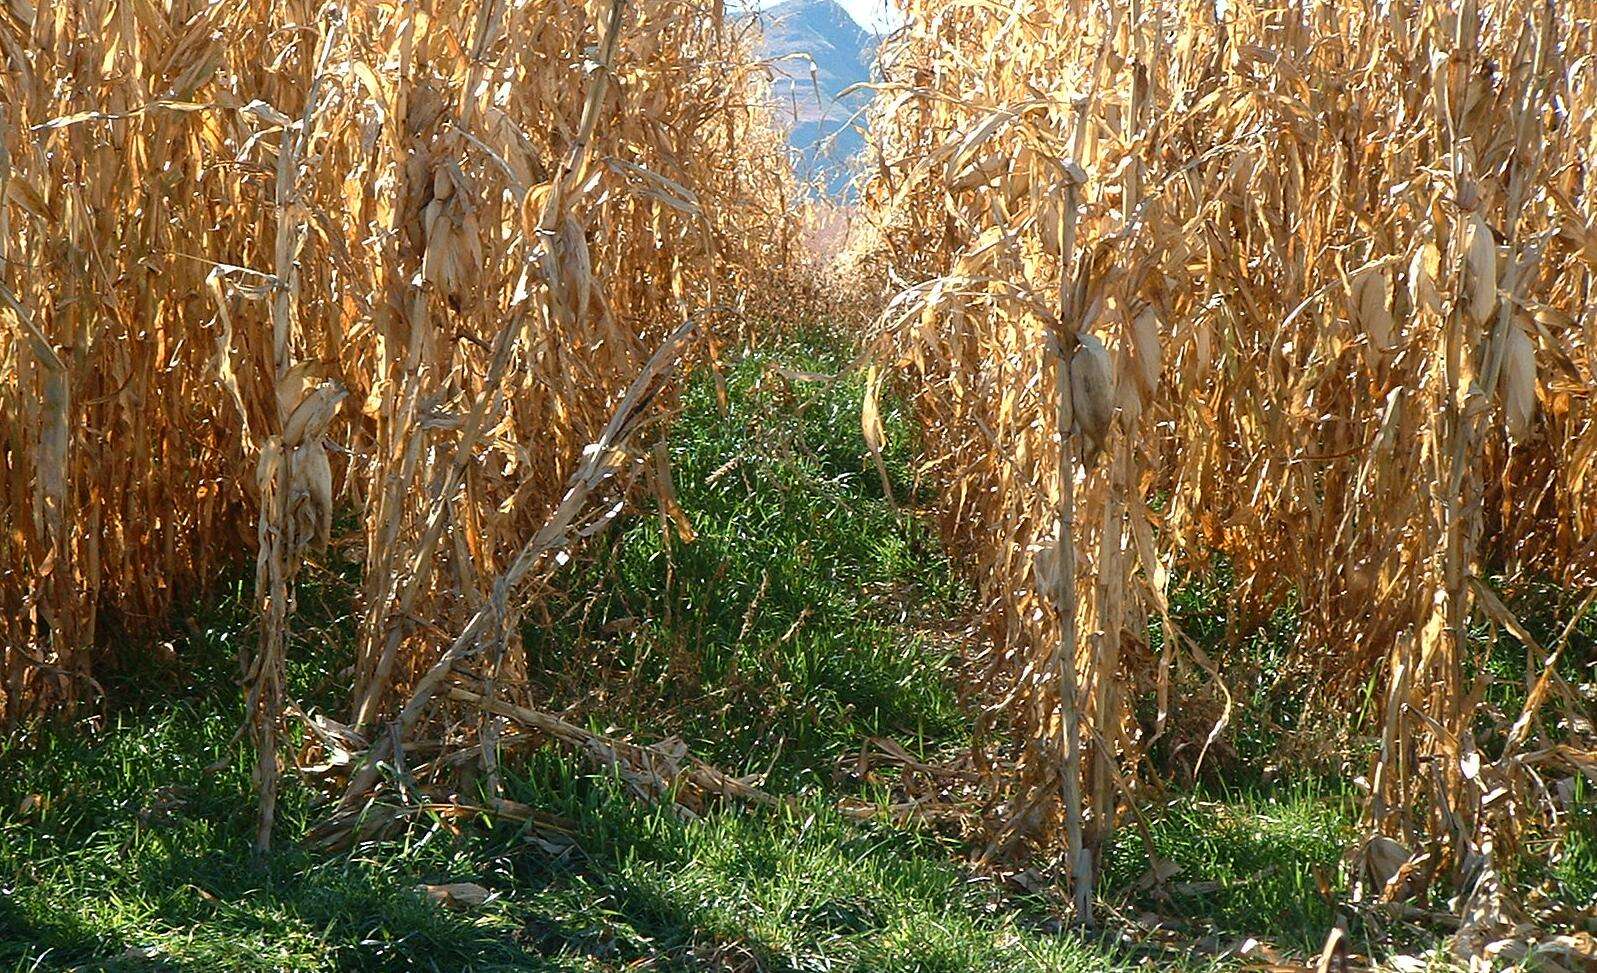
{"points": [[825, 17], [799, 34]]}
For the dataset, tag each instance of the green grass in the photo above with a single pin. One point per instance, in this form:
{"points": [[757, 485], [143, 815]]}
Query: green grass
{"points": [[141, 860], [806, 617], [106, 880], [803, 617], [1268, 698], [1255, 862], [1573, 871]]}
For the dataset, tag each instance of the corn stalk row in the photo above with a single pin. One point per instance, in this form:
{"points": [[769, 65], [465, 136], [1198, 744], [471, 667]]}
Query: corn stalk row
{"points": [[1302, 287], [262, 262]]}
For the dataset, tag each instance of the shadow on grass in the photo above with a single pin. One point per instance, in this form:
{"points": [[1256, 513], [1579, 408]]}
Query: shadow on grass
{"points": [[101, 881], [166, 883]]}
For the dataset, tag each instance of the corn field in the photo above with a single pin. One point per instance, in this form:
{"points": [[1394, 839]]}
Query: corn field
{"points": [[1304, 289], [1303, 286], [444, 237]]}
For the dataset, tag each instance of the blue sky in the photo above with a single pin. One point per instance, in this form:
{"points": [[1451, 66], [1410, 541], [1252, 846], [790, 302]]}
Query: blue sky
{"points": [[876, 16]]}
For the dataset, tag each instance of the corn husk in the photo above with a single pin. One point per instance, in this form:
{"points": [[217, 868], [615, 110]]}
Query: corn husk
{"points": [[1092, 394], [1516, 384], [1372, 302], [1480, 271], [1423, 269]]}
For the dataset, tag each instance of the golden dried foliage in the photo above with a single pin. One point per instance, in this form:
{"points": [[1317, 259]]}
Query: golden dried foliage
{"points": [[1305, 285], [265, 259], [1308, 240]]}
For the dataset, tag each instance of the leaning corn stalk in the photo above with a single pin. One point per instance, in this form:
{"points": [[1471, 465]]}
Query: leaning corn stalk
{"points": [[585, 509], [486, 393], [394, 592]]}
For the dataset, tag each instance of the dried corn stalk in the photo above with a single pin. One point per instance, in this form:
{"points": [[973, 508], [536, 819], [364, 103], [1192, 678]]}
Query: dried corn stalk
{"points": [[261, 260], [1335, 258]]}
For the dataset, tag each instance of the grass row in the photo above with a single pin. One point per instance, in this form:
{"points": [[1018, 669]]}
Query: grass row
{"points": [[805, 617]]}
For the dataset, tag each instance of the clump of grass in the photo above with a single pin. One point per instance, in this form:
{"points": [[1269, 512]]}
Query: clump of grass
{"points": [[1547, 612], [128, 846], [1256, 861], [1268, 690], [1574, 871]]}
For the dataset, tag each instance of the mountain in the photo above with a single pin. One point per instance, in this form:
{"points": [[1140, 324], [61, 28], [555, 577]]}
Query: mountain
{"points": [[797, 33]]}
